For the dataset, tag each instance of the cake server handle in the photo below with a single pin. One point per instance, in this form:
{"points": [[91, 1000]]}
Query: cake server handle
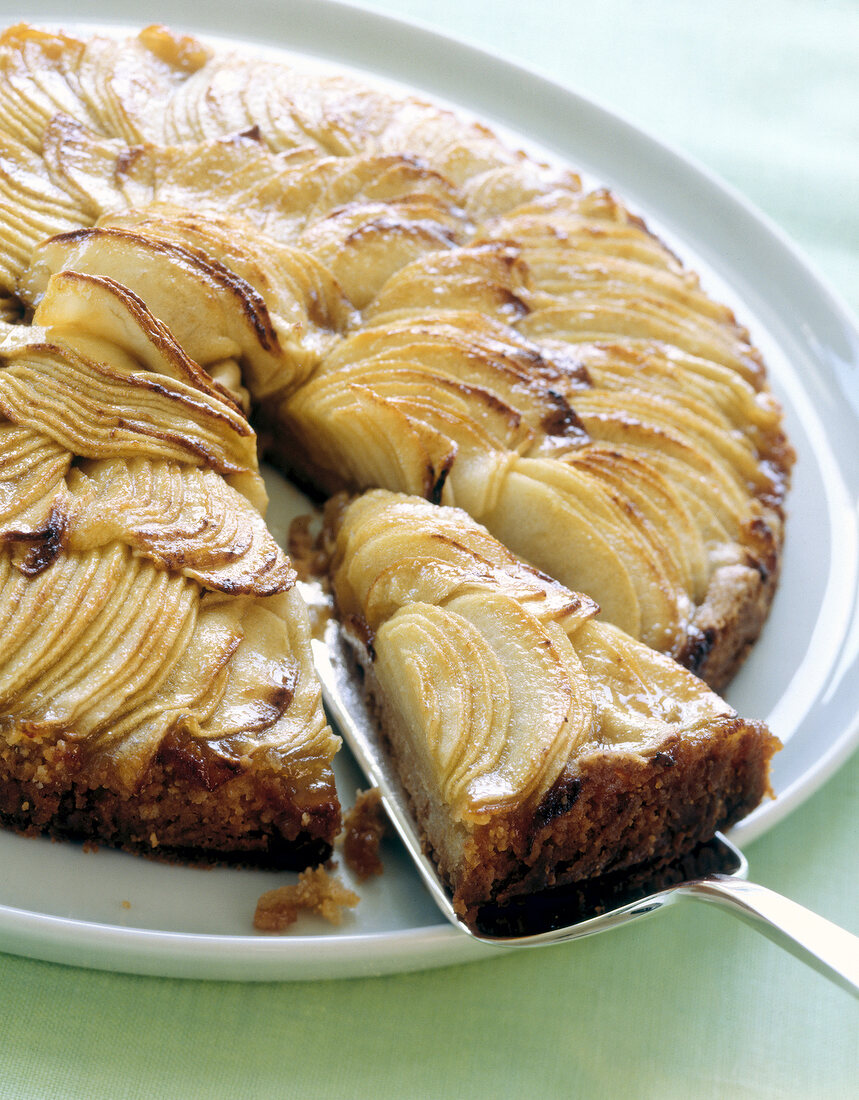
{"points": [[830, 950]]}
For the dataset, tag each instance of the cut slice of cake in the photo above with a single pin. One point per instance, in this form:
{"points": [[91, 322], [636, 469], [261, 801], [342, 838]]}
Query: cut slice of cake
{"points": [[539, 745]]}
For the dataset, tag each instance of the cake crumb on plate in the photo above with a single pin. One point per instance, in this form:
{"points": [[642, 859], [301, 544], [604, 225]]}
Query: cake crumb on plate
{"points": [[316, 891]]}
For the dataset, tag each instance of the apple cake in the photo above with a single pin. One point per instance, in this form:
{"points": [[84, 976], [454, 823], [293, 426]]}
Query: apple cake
{"points": [[192, 240]]}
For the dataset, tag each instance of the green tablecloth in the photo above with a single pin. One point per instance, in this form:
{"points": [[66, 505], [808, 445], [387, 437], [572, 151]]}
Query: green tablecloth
{"points": [[690, 1002]]}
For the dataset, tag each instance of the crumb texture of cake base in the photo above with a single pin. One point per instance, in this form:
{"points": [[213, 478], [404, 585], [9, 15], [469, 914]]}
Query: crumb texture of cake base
{"points": [[190, 237], [539, 745]]}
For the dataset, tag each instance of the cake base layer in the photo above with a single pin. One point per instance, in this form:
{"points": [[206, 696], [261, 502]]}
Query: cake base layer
{"points": [[561, 906], [185, 808]]}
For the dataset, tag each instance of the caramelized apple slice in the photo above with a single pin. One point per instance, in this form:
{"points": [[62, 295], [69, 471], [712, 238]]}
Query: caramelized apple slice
{"points": [[171, 279], [398, 554], [90, 641], [489, 280], [38, 80], [470, 348], [305, 302], [363, 244], [32, 472], [98, 410], [32, 207], [187, 519], [471, 682], [97, 306]]}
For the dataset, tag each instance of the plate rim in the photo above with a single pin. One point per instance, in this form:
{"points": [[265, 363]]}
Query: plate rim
{"points": [[200, 955]]}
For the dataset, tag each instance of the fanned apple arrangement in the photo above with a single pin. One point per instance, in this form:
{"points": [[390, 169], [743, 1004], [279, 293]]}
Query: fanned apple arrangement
{"points": [[565, 469]]}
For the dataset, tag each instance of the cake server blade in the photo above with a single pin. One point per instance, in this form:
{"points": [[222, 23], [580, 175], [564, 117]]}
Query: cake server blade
{"points": [[829, 949]]}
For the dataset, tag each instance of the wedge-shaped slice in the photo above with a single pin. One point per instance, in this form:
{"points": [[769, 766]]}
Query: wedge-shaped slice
{"points": [[539, 746]]}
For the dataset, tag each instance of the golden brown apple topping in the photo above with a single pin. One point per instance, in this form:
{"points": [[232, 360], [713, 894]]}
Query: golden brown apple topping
{"points": [[433, 314]]}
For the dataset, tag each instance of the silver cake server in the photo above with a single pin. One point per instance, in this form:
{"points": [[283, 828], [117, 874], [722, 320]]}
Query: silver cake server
{"points": [[831, 950]]}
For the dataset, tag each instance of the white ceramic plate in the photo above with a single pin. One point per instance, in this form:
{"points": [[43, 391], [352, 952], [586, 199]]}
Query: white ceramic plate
{"points": [[114, 911]]}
